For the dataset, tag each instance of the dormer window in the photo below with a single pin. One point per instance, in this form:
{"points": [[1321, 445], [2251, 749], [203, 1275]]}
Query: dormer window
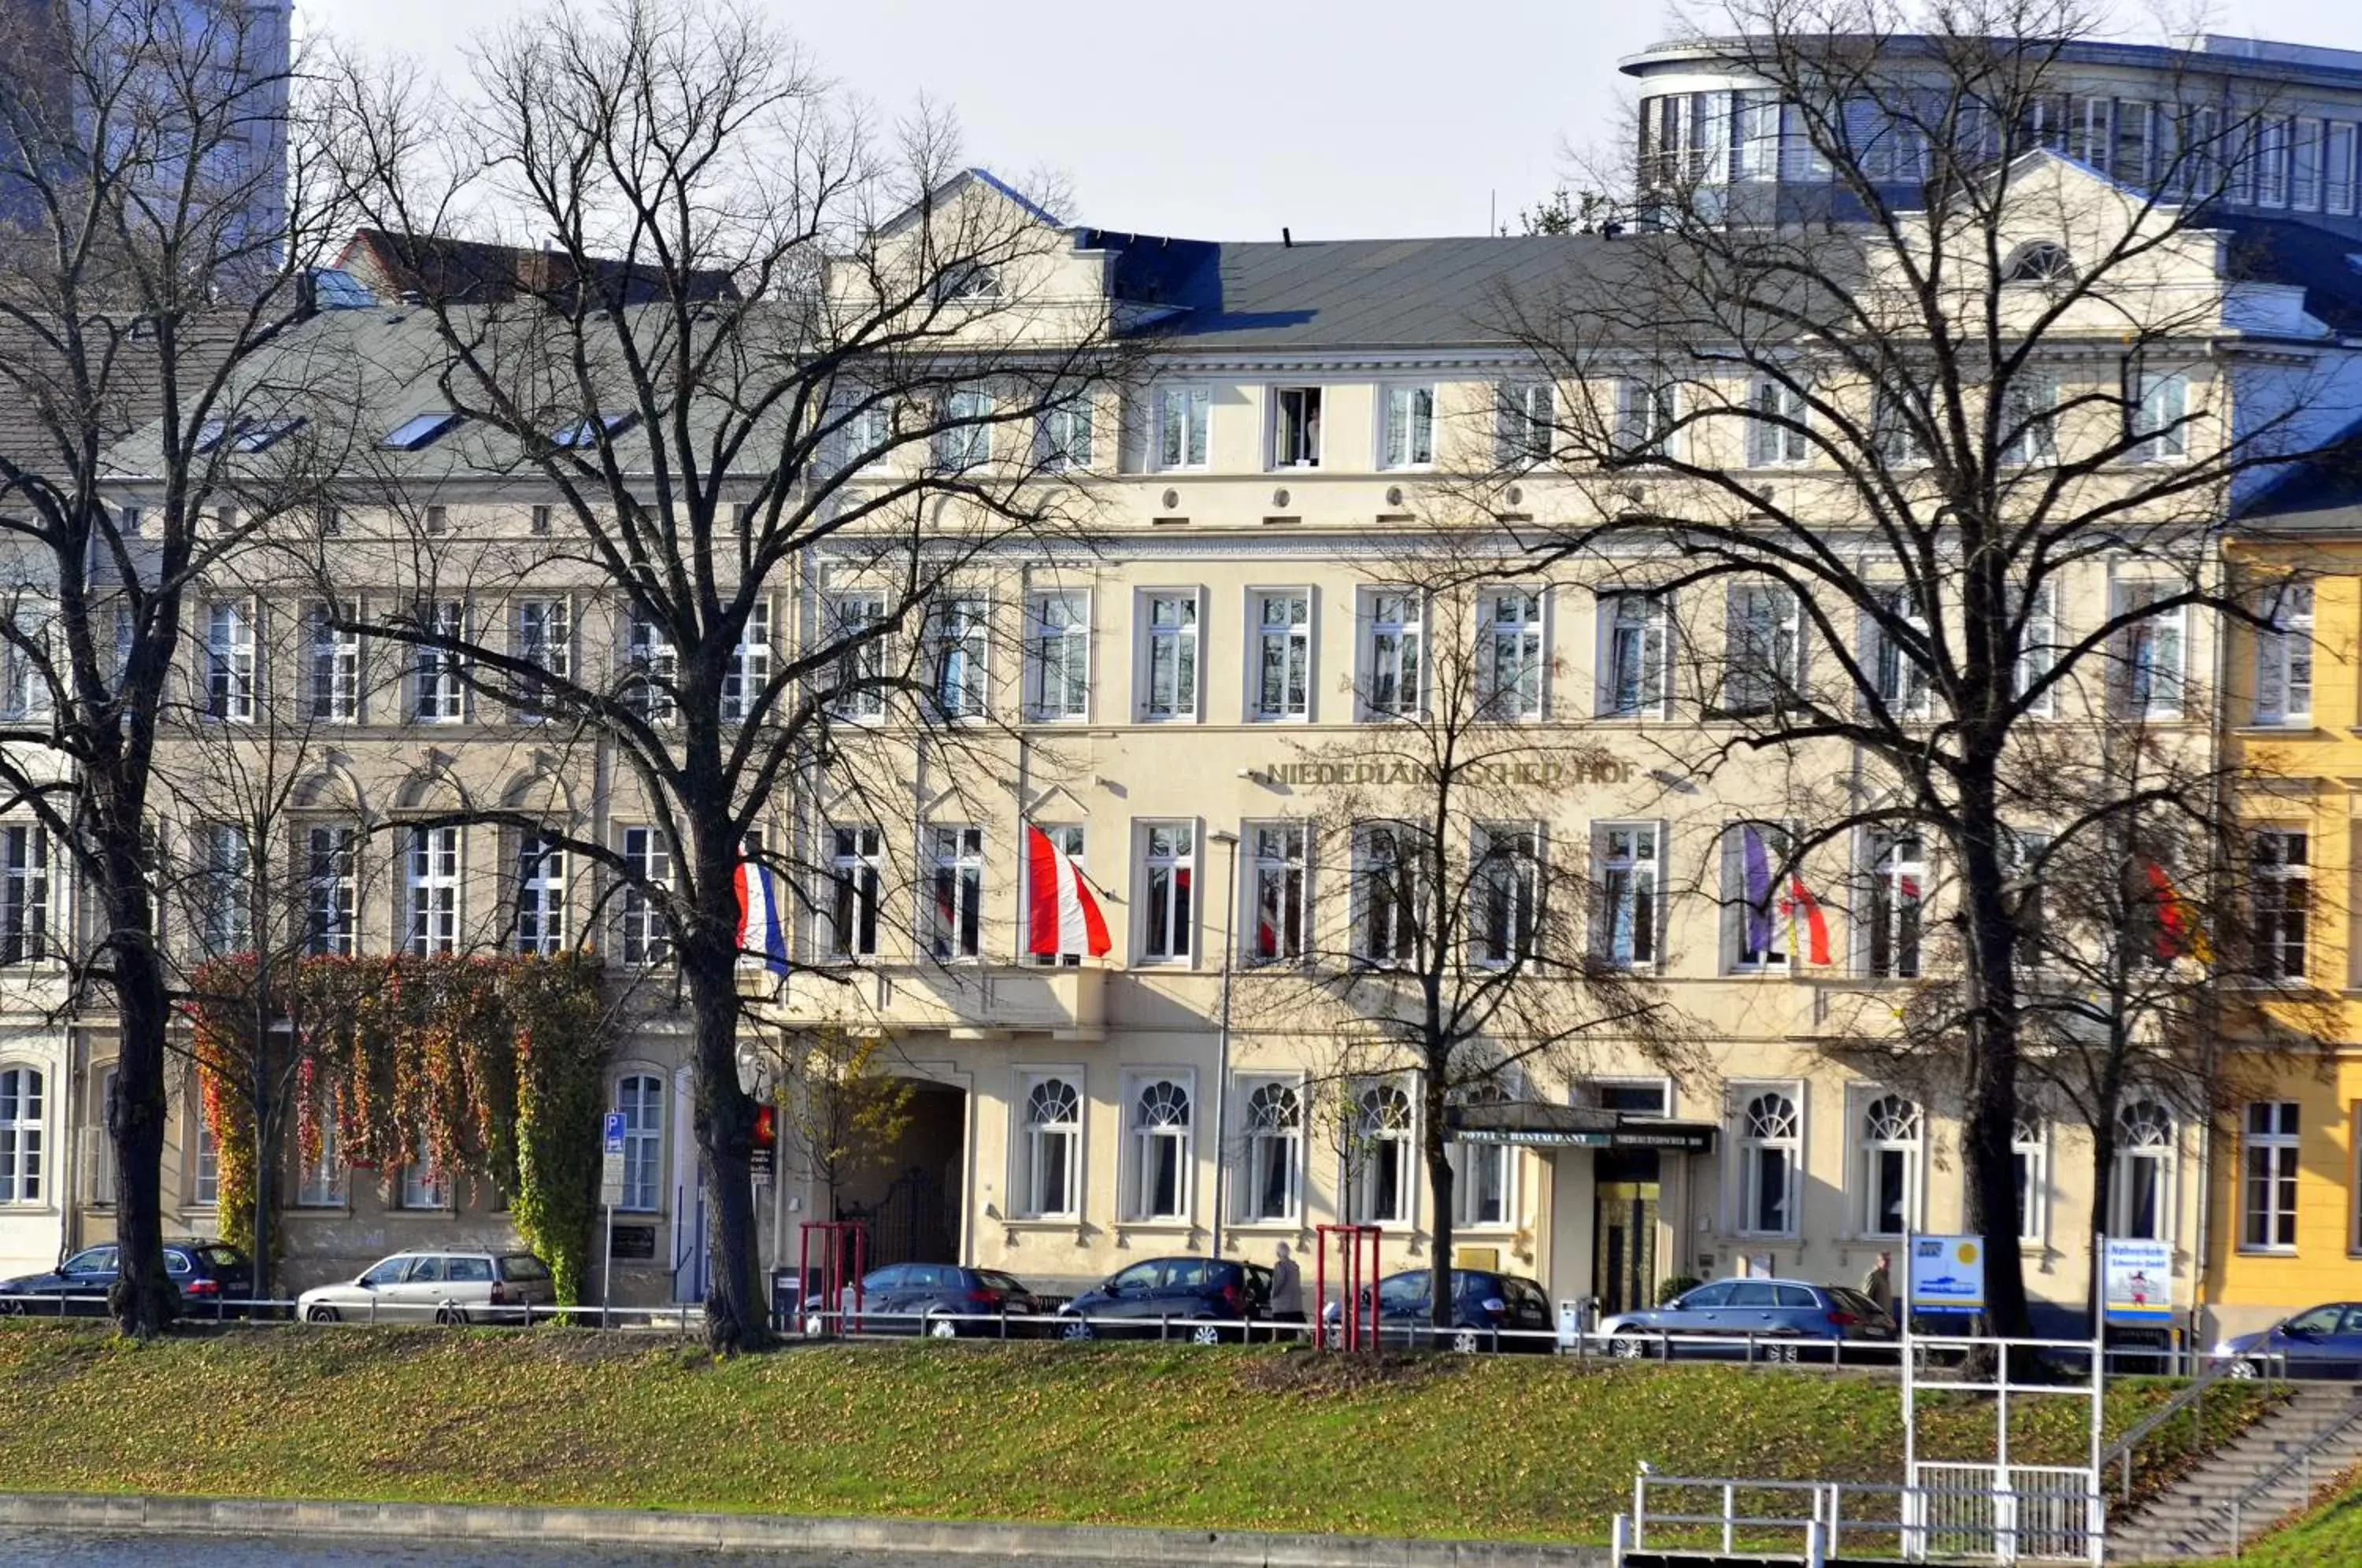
{"points": [[418, 430], [2039, 262], [970, 281], [586, 431]]}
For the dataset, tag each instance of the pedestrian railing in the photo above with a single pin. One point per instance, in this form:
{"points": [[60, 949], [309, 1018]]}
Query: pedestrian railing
{"points": [[2034, 1514]]}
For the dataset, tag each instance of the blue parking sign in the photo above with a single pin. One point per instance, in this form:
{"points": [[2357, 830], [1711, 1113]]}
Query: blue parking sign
{"points": [[614, 1132]]}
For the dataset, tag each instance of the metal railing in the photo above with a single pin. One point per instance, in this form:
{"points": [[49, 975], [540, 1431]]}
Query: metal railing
{"points": [[2041, 1514], [2299, 1464], [2270, 1367], [267, 1312]]}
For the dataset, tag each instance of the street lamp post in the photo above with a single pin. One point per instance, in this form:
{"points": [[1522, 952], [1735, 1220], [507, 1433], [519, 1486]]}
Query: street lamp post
{"points": [[1222, 1073]]}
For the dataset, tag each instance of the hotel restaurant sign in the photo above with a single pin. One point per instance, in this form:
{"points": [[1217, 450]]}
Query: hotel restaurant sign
{"points": [[1539, 775], [1531, 1126]]}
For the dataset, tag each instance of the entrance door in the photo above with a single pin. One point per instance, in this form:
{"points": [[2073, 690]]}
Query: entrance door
{"points": [[1624, 1246]]}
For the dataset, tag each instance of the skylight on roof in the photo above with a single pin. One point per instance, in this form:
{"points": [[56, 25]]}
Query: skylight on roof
{"points": [[581, 432], [256, 435], [419, 429]]}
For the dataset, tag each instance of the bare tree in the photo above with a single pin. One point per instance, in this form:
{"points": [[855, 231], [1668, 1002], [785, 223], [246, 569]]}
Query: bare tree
{"points": [[1927, 443], [775, 350]]}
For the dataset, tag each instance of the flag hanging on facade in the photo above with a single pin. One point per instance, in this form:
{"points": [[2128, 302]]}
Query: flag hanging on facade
{"points": [[1063, 916], [760, 930], [2179, 935], [1757, 859], [1800, 901]]}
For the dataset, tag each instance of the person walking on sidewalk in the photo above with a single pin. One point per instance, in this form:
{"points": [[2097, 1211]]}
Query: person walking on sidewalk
{"points": [[1879, 1284], [1286, 1291]]}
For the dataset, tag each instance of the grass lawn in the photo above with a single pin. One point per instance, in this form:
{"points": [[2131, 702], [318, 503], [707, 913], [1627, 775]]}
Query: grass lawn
{"points": [[2331, 1534], [1500, 1447]]}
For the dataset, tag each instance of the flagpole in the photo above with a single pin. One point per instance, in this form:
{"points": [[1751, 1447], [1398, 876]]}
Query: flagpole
{"points": [[1223, 1079]]}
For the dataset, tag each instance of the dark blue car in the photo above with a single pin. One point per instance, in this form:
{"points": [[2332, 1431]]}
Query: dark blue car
{"points": [[2320, 1341], [1198, 1300], [1489, 1312], [207, 1274]]}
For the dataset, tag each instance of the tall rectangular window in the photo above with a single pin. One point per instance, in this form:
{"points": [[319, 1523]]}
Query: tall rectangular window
{"points": [[955, 924], [1168, 875], [750, 666], [1624, 870], [2156, 408], [1895, 651], [1528, 420], [1896, 878], [1270, 1186], [965, 440], [423, 1184], [1771, 1153], [23, 893], [2028, 432], [1763, 649], [205, 1166], [1391, 661], [441, 697], [1062, 437], [23, 1126], [229, 661], [1052, 1137], [432, 885], [320, 1183], [1509, 652], [856, 867], [545, 639], [2150, 671], [2029, 1158], [224, 881], [1407, 440], [647, 866], [861, 664], [1755, 920], [1636, 647], [640, 1096], [1389, 880], [1296, 427], [1776, 436], [1280, 890], [2284, 658], [540, 895], [1506, 886], [2268, 1179], [1644, 417], [1057, 657], [1283, 654], [1170, 690], [2037, 649], [1068, 837], [331, 889], [336, 664], [1158, 1125], [962, 634], [2338, 168], [651, 666], [1183, 414], [2279, 873]]}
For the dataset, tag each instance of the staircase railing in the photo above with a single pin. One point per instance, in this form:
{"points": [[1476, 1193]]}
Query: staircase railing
{"points": [[2273, 1370], [2300, 1462]]}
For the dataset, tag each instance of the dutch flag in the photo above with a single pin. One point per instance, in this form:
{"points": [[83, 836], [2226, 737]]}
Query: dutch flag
{"points": [[760, 932]]}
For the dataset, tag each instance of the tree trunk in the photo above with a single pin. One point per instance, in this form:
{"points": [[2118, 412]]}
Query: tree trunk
{"points": [[142, 1299], [1988, 1131], [1437, 1152], [735, 1315]]}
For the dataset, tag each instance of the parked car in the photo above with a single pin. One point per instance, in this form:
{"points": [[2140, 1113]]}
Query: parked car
{"points": [[1195, 1297], [2320, 1341], [940, 1300], [1788, 1312], [438, 1287], [207, 1273], [1481, 1299]]}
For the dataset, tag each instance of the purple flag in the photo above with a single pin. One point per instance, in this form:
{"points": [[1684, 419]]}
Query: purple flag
{"points": [[1759, 889]]}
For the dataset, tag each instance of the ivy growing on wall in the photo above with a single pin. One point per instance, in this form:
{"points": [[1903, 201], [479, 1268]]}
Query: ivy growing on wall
{"points": [[492, 1068]]}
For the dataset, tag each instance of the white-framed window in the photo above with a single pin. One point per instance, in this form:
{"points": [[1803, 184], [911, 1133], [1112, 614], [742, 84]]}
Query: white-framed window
{"points": [[1068, 837], [1894, 888], [1282, 659], [2029, 1158], [2279, 885], [1893, 436], [25, 668], [439, 694], [866, 437], [331, 889], [1388, 877], [1052, 1145], [964, 441], [2038, 647], [1279, 889], [1057, 656], [2338, 166], [1183, 417], [204, 1164], [1770, 1160], [229, 661], [1510, 655], [749, 671], [541, 894], [1755, 928], [1380, 1183], [24, 1127], [1645, 411], [2151, 673], [2140, 1196], [2268, 1166], [545, 637], [1062, 437], [962, 630], [1887, 1166], [1483, 1174], [431, 889], [1763, 648], [954, 927], [224, 885], [336, 664], [423, 1185], [23, 893], [1271, 1182], [1527, 423], [1169, 665], [647, 864], [2028, 432], [1898, 674], [320, 1179], [856, 872], [651, 664], [1159, 1129], [1393, 650], [1636, 653], [861, 664], [2284, 659], [2156, 413], [1507, 887], [1168, 878], [1296, 427], [641, 1098], [1406, 439], [1776, 434], [1626, 869]]}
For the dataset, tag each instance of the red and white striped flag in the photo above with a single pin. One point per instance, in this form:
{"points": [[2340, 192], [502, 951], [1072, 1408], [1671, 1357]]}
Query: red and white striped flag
{"points": [[1062, 915]]}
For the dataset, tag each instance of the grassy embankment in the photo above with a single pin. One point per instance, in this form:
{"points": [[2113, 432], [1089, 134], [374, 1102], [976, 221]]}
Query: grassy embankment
{"points": [[1503, 1447]]}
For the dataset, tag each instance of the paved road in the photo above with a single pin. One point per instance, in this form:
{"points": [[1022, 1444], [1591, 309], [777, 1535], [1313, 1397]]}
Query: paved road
{"points": [[71, 1548]]}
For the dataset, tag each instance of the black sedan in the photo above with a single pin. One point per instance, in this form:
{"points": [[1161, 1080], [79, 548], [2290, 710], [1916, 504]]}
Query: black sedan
{"points": [[1489, 1312], [207, 1274], [1199, 1299], [940, 1300]]}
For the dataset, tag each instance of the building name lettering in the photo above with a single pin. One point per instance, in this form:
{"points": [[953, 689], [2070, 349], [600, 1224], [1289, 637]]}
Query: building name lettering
{"points": [[1391, 770]]}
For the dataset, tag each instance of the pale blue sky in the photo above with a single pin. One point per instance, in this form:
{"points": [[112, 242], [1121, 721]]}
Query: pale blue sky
{"points": [[1226, 119]]}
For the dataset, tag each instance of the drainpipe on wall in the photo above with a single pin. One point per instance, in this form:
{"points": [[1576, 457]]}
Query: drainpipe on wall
{"points": [[2216, 732], [1222, 1071], [69, 1195]]}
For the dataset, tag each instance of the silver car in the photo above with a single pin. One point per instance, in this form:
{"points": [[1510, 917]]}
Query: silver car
{"points": [[435, 1287], [1789, 1320]]}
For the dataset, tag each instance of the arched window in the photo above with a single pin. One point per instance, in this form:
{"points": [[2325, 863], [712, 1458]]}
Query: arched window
{"points": [[1769, 1142], [2141, 1202], [1381, 1137], [640, 1096], [2039, 262], [1274, 1153], [1160, 1133], [22, 1167], [1889, 1164], [1054, 1135]]}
